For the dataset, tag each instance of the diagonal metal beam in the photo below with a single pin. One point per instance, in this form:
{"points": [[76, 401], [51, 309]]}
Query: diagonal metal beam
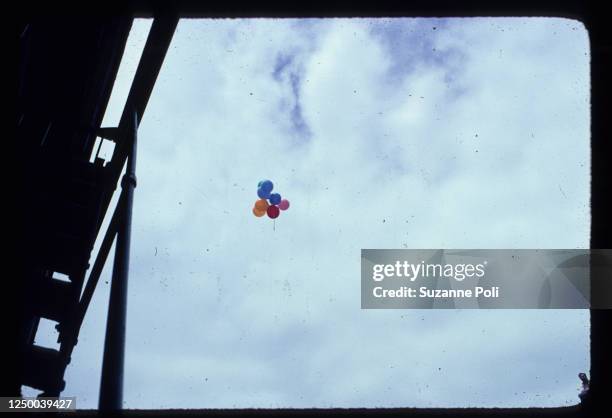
{"points": [[148, 69]]}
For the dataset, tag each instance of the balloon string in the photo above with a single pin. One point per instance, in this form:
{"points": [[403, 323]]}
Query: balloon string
{"points": [[274, 225]]}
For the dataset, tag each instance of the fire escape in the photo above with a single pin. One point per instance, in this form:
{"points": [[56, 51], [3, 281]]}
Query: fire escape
{"points": [[67, 69]]}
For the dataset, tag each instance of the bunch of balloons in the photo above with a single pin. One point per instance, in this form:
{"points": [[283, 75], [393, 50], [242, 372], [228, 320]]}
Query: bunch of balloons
{"points": [[272, 208]]}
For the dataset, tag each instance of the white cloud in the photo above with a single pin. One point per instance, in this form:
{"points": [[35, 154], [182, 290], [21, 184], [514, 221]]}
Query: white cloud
{"points": [[375, 146]]}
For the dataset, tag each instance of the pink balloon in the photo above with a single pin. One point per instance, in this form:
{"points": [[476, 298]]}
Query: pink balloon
{"points": [[284, 204]]}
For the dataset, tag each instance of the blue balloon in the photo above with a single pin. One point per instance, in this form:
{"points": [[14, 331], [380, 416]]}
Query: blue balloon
{"points": [[262, 193], [266, 185], [275, 198]]}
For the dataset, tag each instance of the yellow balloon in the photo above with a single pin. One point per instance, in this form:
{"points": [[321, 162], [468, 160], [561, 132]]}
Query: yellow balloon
{"points": [[258, 213], [261, 205]]}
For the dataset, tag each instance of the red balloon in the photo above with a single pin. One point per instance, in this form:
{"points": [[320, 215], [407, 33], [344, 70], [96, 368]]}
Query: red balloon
{"points": [[273, 211]]}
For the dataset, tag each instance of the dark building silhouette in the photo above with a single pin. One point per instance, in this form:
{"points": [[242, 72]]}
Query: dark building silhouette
{"points": [[66, 73]]}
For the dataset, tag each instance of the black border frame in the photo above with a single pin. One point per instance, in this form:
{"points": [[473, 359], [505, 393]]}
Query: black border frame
{"points": [[590, 13]]}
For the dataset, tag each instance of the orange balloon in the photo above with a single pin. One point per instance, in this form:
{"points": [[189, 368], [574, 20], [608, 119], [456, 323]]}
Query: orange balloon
{"points": [[258, 213], [261, 205]]}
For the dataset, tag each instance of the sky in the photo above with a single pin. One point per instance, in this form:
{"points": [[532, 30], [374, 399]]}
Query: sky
{"points": [[382, 133]]}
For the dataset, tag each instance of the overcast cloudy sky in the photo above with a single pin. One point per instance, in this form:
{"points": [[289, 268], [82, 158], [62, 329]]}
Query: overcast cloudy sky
{"points": [[390, 133]]}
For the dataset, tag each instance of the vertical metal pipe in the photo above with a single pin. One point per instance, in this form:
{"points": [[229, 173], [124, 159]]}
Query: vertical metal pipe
{"points": [[111, 385]]}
